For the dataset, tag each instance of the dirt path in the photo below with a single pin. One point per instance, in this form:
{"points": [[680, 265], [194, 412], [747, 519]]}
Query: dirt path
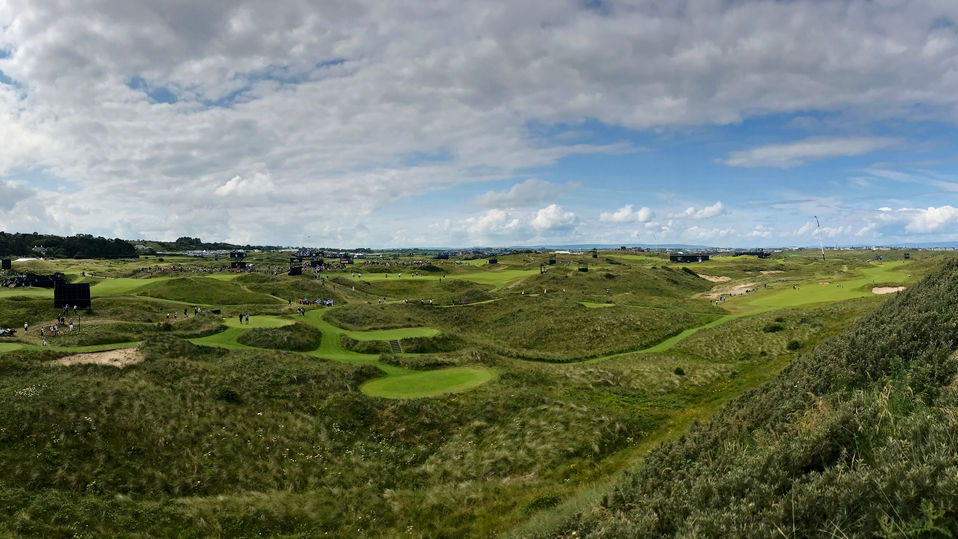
{"points": [[887, 289], [738, 289], [115, 358], [715, 278]]}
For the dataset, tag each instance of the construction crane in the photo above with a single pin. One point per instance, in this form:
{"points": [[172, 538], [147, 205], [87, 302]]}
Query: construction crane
{"points": [[821, 244]]}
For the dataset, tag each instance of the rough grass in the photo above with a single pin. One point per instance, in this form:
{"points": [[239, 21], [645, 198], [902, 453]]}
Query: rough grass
{"points": [[203, 291], [851, 439], [297, 337]]}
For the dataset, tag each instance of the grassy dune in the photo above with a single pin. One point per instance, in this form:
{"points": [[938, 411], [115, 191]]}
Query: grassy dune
{"points": [[855, 438], [512, 414]]}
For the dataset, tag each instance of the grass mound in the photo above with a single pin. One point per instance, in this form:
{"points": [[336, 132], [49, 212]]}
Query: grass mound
{"points": [[445, 342], [854, 438], [297, 337], [202, 290], [363, 347]]}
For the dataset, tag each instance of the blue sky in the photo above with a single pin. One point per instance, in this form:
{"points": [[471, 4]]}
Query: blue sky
{"points": [[482, 123]]}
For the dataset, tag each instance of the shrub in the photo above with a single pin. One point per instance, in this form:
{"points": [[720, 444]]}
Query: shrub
{"points": [[773, 328], [793, 345], [680, 371]]}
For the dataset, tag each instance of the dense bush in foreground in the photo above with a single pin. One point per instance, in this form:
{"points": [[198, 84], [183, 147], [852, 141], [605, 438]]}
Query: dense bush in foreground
{"points": [[858, 438]]}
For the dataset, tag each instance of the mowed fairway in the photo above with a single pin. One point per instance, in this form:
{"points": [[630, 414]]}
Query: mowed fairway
{"points": [[428, 383], [842, 288]]}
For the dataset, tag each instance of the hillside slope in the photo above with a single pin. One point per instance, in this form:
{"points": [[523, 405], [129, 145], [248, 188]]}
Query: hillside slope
{"points": [[857, 438]]}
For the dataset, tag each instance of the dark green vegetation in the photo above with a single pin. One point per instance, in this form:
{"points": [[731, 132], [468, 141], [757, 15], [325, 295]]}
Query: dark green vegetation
{"points": [[857, 437], [79, 246], [507, 406]]}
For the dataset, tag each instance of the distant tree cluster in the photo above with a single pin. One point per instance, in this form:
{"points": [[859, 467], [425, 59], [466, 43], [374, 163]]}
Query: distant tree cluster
{"points": [[79, 246]]}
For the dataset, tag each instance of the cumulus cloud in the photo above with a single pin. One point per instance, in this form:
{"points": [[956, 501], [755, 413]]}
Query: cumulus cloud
{"points": [[930, 219], [257, 185], [706, 212], [553, 218], [797, 153], [532, 192], [700, 233], [151, 109], [626, 215], [761, 232], [810, 229]]}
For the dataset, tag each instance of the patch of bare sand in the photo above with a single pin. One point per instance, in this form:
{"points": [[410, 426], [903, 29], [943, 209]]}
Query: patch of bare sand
{"points": [[115, 358], [738, 289], [769, 272], [887, 289], [715, 278]]}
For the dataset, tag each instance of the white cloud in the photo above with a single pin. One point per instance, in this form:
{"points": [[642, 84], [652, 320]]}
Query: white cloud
{"points": [[531, 192], [553, 218], [700, 233], [761, 232], [931, 219], [351, 107], [257, 185], [797, 153], [626, 215], [706, 212], [493, 222]]}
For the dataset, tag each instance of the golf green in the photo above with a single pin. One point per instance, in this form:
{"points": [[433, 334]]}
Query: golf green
{"points": [[428, 383]]}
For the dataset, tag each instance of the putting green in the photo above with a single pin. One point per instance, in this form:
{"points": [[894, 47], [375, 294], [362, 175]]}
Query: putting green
{"points": [[10, 346], [428, 383], [414, 384], [26, 292]]}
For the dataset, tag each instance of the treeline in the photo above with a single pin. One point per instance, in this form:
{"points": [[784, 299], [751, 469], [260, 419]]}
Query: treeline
{"points": [[187, 243], [79, 246], [858, 438]]}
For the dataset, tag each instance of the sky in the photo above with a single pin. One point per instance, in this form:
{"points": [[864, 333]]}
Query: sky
{"points": [[397, 123]]}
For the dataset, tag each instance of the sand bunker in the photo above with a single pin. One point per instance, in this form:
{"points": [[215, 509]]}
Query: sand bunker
{"points": [[887, 289], [734, 290], [715, 278], [115, 358], [769, 272]]}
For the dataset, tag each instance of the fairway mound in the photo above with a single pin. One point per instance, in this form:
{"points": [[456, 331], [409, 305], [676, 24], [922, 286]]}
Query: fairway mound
{"points": [[887, 289], [118, 358], [715, 278]]}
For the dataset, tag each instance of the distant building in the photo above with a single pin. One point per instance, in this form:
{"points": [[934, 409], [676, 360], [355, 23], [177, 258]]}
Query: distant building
{"points": [[688, 258], [758, 254]]}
